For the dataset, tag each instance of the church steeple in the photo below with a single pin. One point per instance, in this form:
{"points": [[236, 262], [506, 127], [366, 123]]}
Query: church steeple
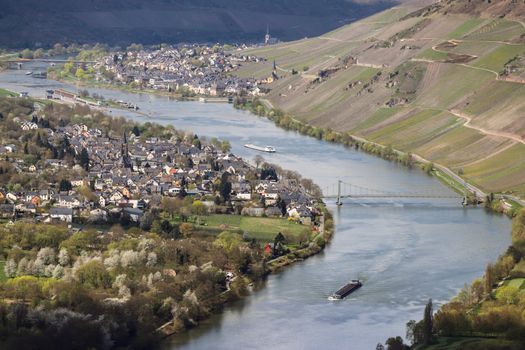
{"points": [[267, 36], [124, 152]]}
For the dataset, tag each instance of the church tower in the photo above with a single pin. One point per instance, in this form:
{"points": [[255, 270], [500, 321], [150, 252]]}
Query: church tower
{"points": [[124, 153], [267, 36]]}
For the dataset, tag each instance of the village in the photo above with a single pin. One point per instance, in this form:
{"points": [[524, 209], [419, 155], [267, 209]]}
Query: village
{"points": [[190, 69], [121, 178]]}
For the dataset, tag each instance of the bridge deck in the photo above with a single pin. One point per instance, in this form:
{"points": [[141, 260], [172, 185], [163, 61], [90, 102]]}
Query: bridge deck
{"points": [[392, 196]]}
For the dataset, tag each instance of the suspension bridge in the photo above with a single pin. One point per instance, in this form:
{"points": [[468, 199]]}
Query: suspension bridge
{"points": [[343, 190]]}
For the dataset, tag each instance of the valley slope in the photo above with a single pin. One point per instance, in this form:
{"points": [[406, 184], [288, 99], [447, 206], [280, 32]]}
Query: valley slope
{"points": [[446, 82], [31, 23]]}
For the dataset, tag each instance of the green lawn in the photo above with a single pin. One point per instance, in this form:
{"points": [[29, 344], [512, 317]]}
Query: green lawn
{"points": [[4, 92], [263, 229]]}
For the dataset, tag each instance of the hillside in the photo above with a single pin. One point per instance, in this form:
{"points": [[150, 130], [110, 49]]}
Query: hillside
{"points": [[26, 23], [446, 82]]}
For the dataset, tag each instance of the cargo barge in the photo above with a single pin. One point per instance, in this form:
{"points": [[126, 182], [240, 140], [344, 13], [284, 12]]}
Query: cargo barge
{"points": [[345, 290], [267, 149]]}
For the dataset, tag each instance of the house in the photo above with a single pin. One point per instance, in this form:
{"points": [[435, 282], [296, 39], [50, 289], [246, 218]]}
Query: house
{"points": [[8, 148], [28, 126], [61, 213], [36, 200], [244, 196], [116, 197], [301, 214], [26, 208], [102, 201], [69, 201], [78, 182], [7, 211], [11, 197], [98, 215], [45, 195]]}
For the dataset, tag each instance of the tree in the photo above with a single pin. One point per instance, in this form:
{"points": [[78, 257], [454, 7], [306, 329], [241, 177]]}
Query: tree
{"points": [[63, 257], [196, 142], [84, 159], [225, 187], [146, 221], [26, 53], [172, 205], [228, 240], [225, 146], [258, 159], [10, 268], [198, 208], [135, 130], [65, 185], [278, 244], [186, 229], [80, 73], [395, 344], [93, 274], [428, 323], [489, 278]]}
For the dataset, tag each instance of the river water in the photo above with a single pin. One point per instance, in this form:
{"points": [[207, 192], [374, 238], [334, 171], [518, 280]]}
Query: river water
{"points": [[405, 251]]}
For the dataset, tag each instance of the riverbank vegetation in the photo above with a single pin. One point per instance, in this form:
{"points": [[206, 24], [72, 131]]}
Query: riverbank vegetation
{"points": [[487, 314]]}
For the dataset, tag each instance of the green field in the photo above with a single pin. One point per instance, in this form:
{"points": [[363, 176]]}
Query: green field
{"points": [[263, 229], [379, 116], [433, 55], [497, 59], [454, 82], [498, 29]]}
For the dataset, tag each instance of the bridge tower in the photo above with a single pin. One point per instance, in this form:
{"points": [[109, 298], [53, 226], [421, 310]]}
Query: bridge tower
{"points": [[339, 202], [465, 194]]}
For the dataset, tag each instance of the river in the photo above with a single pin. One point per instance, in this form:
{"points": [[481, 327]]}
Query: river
{"points": [[405, 251]]}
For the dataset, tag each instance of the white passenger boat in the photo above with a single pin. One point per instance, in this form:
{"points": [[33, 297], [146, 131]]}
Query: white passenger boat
{"points": [[267, 149]]}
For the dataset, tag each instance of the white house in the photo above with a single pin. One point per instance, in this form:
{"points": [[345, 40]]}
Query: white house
{"points": [[62, 214]]}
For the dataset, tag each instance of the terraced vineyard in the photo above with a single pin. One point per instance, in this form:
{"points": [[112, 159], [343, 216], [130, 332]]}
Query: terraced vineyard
{"points": [[447, 87]]}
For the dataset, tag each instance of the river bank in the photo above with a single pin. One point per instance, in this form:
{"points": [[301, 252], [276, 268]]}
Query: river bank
{"points": [[172, 95]]}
